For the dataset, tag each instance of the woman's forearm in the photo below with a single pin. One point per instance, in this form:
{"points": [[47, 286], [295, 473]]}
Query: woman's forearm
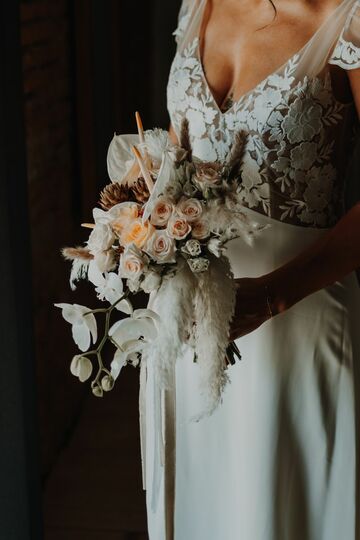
{"points": [[328, 260]]}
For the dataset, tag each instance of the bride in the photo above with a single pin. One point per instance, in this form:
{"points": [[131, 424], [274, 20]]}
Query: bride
{"points": [[278, 459]]}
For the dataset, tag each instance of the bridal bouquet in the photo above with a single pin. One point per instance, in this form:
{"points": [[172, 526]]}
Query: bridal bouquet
{"points": [[161, 228]]}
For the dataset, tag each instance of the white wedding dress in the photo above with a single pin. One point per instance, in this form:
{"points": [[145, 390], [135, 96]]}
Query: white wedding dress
{"points": [[278, 460]]}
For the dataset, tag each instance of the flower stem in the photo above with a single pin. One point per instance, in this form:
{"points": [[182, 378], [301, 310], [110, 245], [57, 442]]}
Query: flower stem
{"points": [[98, 351]]}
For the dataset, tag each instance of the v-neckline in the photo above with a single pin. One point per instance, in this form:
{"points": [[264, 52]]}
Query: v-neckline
{"points": [[239, 100]]}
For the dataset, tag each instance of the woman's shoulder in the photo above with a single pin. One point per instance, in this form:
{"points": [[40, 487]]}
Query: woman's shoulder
{"points": [[186, 11]]}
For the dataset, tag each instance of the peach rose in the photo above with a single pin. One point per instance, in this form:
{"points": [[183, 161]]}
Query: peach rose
{"points": [[124, 214], [190, 209], [161, 247], [178, 227], [161, 212], [136, 233], [132, 264]]}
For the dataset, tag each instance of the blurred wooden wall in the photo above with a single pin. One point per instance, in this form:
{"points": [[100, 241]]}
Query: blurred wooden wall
{"points": [[87, 66]]}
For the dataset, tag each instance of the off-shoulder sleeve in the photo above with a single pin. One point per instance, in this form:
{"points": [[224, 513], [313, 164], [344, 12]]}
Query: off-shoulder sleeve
{"points": [[183, 20], [346, 53]]}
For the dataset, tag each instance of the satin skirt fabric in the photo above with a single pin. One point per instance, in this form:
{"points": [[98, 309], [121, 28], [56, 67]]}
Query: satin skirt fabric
{"points": [[277, 460]]}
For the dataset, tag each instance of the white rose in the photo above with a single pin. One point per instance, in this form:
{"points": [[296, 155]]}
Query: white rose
{"points": [[151, 281], [132, 263], [192, 247], [162, 211], [178, 227], [199, 264], [190, 209], [161, 247], [100, 239]]}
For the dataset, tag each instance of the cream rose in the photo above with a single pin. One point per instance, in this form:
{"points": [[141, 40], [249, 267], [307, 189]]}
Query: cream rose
{"points": [[132, 263], [190, 209], [99, 244], [178, 227], [161, 247], [100, 239], [161, 212], [136, 233]]}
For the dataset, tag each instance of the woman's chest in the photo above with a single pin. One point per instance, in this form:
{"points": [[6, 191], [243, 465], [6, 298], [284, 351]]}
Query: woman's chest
{"points": [[239, 47]]}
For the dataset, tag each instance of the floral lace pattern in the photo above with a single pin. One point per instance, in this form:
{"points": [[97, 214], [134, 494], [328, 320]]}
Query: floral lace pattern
{"points": [[346, 54], [289, 171]]}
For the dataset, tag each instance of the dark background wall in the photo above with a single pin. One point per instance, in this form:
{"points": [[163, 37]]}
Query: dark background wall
{"points": [[75, 72], [87, 66]]}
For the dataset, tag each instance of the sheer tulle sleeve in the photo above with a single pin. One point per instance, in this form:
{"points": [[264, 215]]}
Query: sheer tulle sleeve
{"points": [[183, 20], [346, 53]]}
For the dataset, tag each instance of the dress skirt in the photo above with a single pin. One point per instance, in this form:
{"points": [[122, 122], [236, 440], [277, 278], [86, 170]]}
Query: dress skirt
{"points": [[278, 459]]}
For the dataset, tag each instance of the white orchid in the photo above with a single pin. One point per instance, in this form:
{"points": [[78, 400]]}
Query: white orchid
{"points": [[81, 367], [129, 353], [131, 336], [109, 287], [83, 324]]}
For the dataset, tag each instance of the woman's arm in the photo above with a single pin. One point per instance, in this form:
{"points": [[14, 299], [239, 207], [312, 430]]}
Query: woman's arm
{"points": [[328, 260], [172, 135]]}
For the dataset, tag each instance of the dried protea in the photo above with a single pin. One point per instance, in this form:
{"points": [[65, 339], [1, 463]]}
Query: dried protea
{"points": [[76, 253], [113, 194], [139, 190]]}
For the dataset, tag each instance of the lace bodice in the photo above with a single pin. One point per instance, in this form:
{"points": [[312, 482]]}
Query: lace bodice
{"points": [[299, 135]]}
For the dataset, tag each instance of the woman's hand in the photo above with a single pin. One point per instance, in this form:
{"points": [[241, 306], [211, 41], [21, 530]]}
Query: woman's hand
{"points": [[329, 259], [253, 306]]}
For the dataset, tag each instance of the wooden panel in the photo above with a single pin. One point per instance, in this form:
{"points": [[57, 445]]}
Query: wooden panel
{"points": [[51, 166]]}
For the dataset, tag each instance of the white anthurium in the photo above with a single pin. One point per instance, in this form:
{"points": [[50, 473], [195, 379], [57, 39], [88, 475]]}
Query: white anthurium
{"points": [[81, 367], [140, 325], [106, 217], [120, 158], [83, 326], [110, 287]]}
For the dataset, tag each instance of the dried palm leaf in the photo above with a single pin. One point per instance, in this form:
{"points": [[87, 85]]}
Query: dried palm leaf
{"points": [[185, 137], [236, 155], [76, 253]]}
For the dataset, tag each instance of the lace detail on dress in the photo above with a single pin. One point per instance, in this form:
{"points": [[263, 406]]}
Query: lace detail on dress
{"points": [[288, 172], [347, 50], [346, 55]]}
